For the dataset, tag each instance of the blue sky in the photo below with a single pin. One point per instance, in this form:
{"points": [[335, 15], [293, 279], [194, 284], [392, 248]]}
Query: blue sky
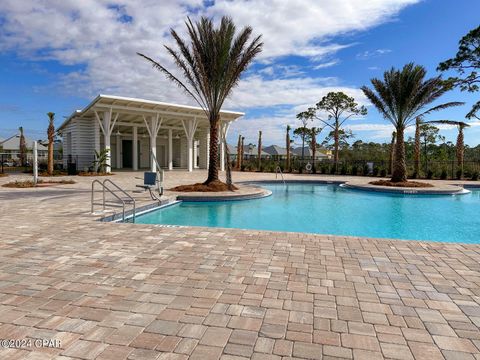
{"points": [[58, 56]]}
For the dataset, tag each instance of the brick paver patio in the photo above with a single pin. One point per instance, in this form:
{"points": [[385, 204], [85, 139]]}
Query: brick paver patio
{"points": [[118, 291]]}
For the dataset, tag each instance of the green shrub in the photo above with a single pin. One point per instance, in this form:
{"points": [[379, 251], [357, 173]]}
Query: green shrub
{"points": [[383, 173], [429, 174], [375, 171], [474, 176], [459, 174], [343, 170], [354, 170], [332, 170], [444, 175], [366, 170], [324, 169]]}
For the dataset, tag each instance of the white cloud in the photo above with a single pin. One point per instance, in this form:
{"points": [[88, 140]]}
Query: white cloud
{"points": [[326, 64], [368, 54], [103, 39]]}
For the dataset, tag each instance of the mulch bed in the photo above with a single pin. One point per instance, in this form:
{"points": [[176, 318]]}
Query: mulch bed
{"points": [[55, 173], [41, 183], [83, 173], [215, 186], [412, 184], [3, 174]]}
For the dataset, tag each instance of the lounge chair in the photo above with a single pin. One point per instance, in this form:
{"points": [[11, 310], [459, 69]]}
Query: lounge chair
{"points": [[150, 182]]}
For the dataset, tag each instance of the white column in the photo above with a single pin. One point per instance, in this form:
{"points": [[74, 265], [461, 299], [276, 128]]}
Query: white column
{"points": [[135, 148], [152, 127], [195, 154], [119, 152], [190, 126], [107, 117], [106, 125], [170, 149]]}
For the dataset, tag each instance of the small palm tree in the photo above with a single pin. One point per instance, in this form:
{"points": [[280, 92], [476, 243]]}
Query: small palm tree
{"points": [[287, 145], [51, 138], [401, 97], [460, 146], [239, 149], [212, 63], [312, 140]]}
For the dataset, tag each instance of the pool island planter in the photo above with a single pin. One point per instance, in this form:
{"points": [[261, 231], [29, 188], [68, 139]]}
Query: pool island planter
{"points": [[243, 193], [435, 190]]}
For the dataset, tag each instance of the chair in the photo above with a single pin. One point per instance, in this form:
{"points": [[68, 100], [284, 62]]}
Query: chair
{"points": [[150, 182]]}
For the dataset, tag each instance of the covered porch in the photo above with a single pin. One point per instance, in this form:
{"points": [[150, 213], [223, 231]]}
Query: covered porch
{"points": [[135, 132]]}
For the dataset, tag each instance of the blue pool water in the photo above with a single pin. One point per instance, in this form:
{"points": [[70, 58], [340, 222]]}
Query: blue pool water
{"points": [[330, 209]]}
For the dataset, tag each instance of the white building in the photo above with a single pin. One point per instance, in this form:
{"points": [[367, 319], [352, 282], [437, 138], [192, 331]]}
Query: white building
{"points": [[134, 129]]}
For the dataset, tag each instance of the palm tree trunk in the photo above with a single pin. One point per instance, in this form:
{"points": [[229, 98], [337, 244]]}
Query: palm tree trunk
{"points": [[460, 150], [392, 152], [399, 167], [336, 146], [287, 140], [213, 159], [241, 153], [229, 164], [259, 149], [417, 148], [314, 149], [239, 144], [50, 158]]}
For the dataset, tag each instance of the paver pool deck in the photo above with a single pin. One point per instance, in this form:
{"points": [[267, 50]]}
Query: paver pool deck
{"points": [[118, 291]]}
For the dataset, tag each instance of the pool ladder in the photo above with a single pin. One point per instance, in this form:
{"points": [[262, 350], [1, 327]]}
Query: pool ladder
{"points": [[278, 170], [121, 201]]}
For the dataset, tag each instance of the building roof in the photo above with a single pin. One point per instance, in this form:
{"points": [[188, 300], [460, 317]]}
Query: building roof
{"points": [[275, 150], [308, 152], [136, 106], [13, 144]]}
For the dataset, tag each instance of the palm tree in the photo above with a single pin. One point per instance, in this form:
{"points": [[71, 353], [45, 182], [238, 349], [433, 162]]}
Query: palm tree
{"points": [[51, 137], [460, 146], [418, 123], [242, 152], [312, 139], [212, 64], [23, 147], [239, 158], [401, 97], [259, 149], [392, 151], [287, 145]]}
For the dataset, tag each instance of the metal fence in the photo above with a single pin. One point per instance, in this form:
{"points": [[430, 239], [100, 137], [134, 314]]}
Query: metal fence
{"points": [[428, 170], [12, 162]]}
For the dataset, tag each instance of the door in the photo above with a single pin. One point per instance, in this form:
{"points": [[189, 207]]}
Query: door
{"points": [[127, 153]]}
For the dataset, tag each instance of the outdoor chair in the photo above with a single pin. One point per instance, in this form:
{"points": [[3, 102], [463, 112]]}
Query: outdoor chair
{"points": [[151, 183]]}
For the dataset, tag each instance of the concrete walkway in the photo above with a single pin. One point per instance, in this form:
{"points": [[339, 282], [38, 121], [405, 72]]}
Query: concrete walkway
{"points": [[92, 290]]}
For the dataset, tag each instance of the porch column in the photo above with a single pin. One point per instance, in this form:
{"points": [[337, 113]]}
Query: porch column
{"points": [[119, 152], [135, 148], [195, 154], [153, 125], [223, 135], [190, 126], [106, 125], [170, 149]]}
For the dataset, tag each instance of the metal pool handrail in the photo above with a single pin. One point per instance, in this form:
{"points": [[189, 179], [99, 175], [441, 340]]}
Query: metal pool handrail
{"points": [[130, 199], [278, 170]]}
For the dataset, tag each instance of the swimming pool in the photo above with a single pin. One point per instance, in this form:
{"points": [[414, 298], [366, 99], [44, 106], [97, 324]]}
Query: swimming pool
{"points": [[330, 209]]}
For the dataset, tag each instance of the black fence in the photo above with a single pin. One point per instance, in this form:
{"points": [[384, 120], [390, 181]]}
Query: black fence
{"points": [[15, 162], [428, 170]]}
